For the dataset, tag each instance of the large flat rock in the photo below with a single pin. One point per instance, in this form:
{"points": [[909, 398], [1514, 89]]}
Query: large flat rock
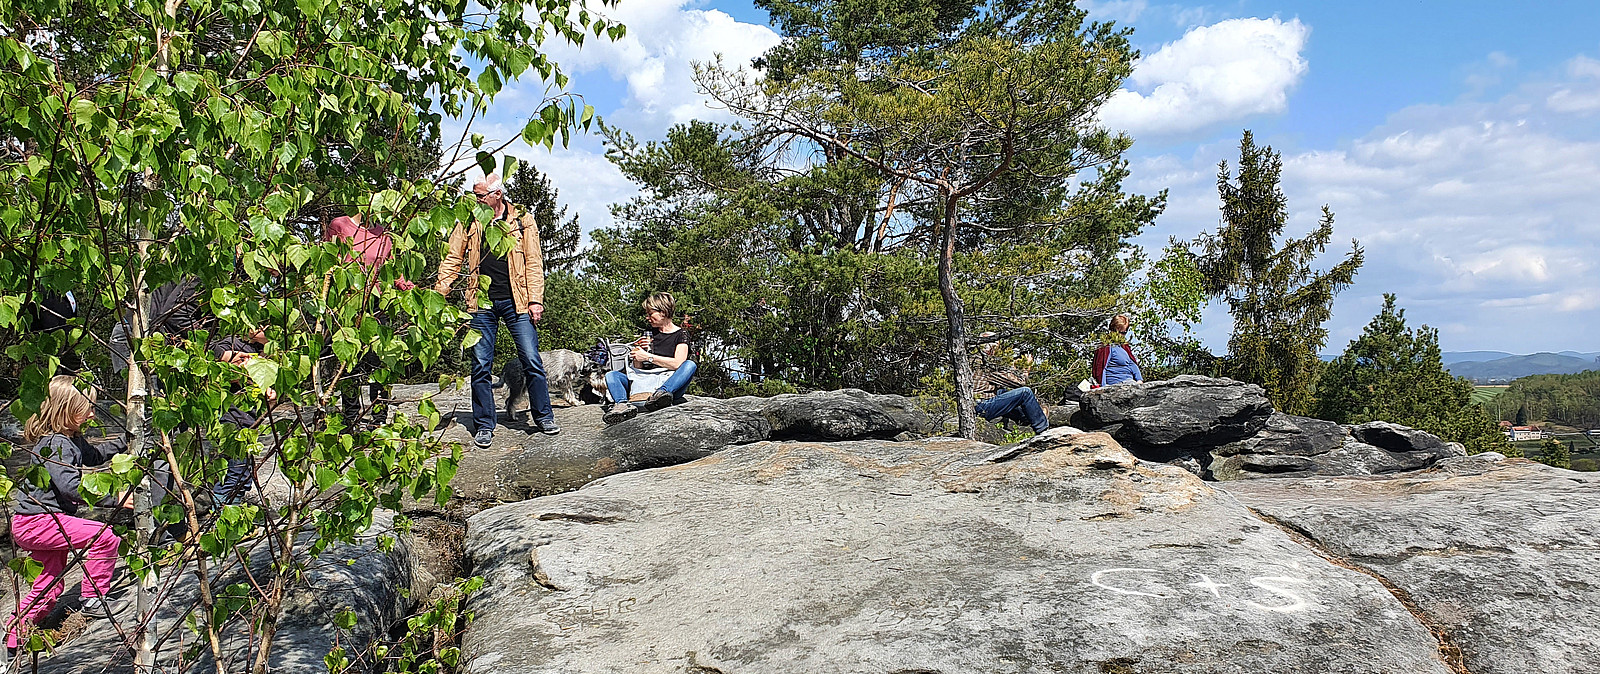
{"points": [[1498, 553], [1062, 554], [522, 463]]}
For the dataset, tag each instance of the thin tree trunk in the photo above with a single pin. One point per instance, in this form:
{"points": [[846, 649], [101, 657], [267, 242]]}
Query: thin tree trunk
{"points": [[966, 393], [144, 520], [876, 245], [207, 600]]}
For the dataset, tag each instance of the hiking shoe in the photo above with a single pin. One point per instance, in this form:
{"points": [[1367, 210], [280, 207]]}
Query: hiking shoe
{"points": [[100, 607], [484, 438], [617, 414], [549, 427], [659, 400]]}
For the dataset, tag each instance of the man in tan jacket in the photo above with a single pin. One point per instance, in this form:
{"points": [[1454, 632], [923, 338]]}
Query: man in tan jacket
{"points": [[515, 295]]}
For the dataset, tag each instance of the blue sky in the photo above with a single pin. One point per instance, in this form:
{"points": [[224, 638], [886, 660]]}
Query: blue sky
{"points": [[1458, 141]]}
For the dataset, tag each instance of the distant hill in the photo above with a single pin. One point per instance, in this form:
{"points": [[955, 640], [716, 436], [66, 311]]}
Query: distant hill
{"points": [[1452, 357], [1513, 367]]}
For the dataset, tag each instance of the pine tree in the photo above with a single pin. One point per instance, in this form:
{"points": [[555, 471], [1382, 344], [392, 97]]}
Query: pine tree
{"points": [[1279, 303], [558, 234], [1393, 373]]}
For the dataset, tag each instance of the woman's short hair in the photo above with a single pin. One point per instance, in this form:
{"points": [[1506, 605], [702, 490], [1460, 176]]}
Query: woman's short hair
{"points": [[1120, 323], [61, 407], [660, 301]]}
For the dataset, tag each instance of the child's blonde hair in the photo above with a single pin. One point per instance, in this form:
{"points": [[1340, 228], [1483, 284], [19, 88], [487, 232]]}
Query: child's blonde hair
{"points": [[60, 410]]}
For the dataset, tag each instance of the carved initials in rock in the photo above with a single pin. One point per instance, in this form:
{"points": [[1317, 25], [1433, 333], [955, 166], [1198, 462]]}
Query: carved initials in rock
{"points": [[1147, 583]]}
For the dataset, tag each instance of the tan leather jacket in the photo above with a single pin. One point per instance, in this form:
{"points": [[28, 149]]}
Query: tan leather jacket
{"points": [[526, 261]]}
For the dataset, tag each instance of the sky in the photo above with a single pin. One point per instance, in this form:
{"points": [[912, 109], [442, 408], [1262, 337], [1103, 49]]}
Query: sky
{"points": [[1458, 141]]}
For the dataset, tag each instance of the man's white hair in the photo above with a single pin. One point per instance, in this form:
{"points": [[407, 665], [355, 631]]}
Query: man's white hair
{"points": [[492, 183]]}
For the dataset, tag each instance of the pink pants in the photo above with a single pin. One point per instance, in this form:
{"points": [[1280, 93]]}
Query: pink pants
{"points": [[49, 540]]}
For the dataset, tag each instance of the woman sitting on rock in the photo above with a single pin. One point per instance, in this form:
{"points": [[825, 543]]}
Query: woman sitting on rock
{"points": [[659, 364], [1114, 362]]}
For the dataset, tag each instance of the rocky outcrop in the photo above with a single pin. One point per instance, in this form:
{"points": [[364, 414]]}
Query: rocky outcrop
{"points": [[1060, 554], [374, 583], [522, 465], [1179, 417], [1227, 430], [1497, 555], [1292, 446]]}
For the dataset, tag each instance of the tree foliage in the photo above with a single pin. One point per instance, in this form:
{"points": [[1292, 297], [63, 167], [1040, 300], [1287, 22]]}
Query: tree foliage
{"points": [[961, 134], [1395, 373], [1567, 399], [1553, 452], [145, 143], [1278, 301]]}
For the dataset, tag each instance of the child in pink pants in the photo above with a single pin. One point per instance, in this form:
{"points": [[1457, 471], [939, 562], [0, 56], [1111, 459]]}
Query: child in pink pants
{"points": [[44, 523]]}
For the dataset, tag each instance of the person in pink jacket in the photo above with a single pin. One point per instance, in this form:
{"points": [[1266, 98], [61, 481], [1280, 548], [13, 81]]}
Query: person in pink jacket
{"points": [[44, 523], [372, 248]]}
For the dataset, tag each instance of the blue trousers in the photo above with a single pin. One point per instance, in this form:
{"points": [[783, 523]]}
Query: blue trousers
{"points": [[235, 483], [617, 382], [526, 337], [1018, 404]]}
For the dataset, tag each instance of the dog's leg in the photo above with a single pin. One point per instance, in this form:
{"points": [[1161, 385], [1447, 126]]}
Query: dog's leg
{"points": [[516, 389]]}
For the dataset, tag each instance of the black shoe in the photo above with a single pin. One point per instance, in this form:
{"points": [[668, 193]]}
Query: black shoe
{"points": [[549, 427], [484, 438], [659, 400], [619, 413]]}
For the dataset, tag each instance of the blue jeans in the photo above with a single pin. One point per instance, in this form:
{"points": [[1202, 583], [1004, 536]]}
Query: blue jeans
{"points": [[235, 483], [1018, 404], [526, 336], [617, 382]]}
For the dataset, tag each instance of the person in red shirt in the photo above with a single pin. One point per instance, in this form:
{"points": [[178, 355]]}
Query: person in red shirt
{"points": [[371, 247]]}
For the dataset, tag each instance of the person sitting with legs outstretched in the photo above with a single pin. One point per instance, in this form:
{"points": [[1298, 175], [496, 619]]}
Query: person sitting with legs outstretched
{"points": [[659, 364]]}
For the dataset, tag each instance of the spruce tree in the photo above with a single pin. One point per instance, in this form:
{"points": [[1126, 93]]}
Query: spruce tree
{"points": [[558, 234], [1393, 373], [1278, 302]]}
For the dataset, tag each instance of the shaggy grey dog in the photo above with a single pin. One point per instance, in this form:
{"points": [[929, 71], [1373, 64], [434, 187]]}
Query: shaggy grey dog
{"points": [[567, 371]]}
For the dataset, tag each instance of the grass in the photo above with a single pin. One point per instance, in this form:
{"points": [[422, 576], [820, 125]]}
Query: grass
{"points": [[1484, 394]]}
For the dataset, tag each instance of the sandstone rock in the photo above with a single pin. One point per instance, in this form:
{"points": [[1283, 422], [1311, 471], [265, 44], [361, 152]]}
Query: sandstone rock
{"points": [[1397, 438], [521, 465], [1063, 554], [1498, 554], [1163, 420], [1301, 447], [1287, 434], [362, 578]]}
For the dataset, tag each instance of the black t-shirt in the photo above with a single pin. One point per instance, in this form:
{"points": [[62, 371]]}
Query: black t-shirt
{"points": [[235, 416], [497, 269], [665, 344]]}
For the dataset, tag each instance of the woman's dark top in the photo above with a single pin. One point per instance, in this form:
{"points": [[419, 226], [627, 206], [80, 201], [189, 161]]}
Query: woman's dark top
{"points": [[665, 344], [61, 455]]}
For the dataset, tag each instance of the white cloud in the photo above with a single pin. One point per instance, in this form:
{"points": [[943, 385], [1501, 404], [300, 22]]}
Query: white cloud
{"points": [[1226, 71], [1482, 217], [647, 77], [655, 60], [1582, 96]]}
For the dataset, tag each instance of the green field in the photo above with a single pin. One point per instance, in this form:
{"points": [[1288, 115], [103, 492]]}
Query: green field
{"points": [[1484, 394]]}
